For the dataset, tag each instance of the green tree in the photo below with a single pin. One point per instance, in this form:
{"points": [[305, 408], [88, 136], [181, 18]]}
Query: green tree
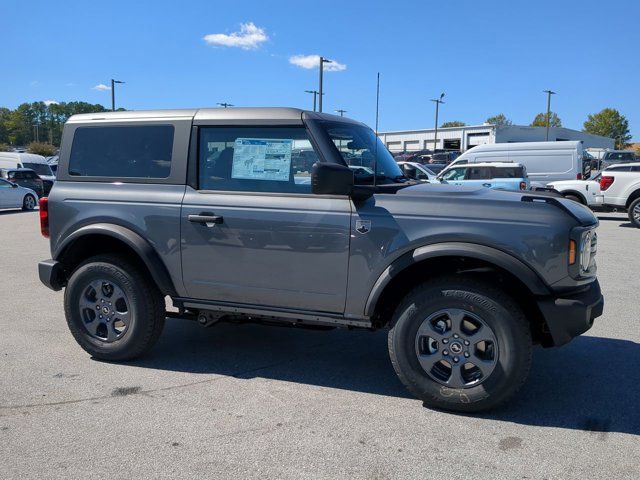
{"points": [[453, 123], [609, 122], [541, 120], [499, 120]]}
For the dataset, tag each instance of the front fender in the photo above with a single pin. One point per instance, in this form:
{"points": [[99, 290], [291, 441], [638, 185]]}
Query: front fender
{"points": [[457, 249], [143, 249]]}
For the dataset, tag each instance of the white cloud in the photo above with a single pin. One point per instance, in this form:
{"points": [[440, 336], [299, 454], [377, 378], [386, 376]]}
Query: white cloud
{"points": [[312, 61], [102, 87], [34, 83], [70, 84], [250, 36], [51, 102]]}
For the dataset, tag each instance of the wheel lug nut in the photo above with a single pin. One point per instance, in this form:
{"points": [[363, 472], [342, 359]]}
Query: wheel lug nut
{"points": [[466, 354], [466, 342], [100, 316], [446, 352], [455, 335], [445, 341], [455, 359], [97, 307]]}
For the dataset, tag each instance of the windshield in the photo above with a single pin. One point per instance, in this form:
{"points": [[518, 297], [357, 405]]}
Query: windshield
{"points": [[39, 168], [359, 147]]}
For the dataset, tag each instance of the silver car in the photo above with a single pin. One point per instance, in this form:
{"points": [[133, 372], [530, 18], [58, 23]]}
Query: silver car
{"points": [[15, 196]]}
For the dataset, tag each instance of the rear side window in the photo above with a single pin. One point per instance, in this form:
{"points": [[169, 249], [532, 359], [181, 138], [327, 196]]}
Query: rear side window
{"points": [[142, 151], [507, 172], [478, 173]]}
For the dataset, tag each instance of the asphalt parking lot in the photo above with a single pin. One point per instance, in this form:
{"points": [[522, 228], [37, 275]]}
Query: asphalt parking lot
{"points": [[267, 402]]}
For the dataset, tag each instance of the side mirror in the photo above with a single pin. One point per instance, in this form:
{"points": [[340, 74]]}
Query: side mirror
{"points": [[331, 179], [14, 185]]}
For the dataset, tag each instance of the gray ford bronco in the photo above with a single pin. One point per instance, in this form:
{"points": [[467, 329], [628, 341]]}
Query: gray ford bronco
{"points": [[283, 215]]}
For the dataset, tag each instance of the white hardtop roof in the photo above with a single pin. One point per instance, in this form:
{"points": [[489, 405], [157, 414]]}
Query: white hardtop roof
{"points": [[488, 164], [627, 164], [23, 157]]}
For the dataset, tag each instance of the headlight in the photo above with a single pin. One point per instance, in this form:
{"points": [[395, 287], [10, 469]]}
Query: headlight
{"points": [[588, 249]]}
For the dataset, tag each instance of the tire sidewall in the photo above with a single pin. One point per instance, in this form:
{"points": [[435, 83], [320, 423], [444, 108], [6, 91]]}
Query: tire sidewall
{"points": [[511, 338], [633, 221], [24, 202], [137, 305]]}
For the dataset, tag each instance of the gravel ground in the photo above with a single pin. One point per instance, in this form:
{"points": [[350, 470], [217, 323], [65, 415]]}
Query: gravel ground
{"points": [[267, 402]]}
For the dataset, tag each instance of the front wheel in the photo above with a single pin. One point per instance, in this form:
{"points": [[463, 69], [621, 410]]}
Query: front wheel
{"points": [[460, 345], [29, 202], [114, 310], [634, 213]]}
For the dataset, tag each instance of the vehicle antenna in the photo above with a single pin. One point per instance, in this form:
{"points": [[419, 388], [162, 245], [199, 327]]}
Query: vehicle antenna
{"points": [[375, 156]]}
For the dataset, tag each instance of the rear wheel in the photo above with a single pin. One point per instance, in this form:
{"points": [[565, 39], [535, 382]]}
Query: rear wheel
{"points": [[29, 202], [634, 212], [114, 311], [460, 345]]}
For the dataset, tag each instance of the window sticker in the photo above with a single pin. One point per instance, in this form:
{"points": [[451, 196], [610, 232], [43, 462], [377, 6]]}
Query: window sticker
{"points": [[262, 159]]}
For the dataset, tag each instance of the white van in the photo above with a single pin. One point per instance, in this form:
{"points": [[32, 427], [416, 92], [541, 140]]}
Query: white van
{"points": [[36, 163], [545, 161]]}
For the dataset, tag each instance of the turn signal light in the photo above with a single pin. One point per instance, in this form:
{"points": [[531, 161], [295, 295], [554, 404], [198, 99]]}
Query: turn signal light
{"points": [[606, 182], [523, 185], [44, 217], [572, 252]]}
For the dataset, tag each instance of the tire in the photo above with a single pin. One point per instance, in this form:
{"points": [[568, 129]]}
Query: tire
{"points": [[507, 348], [129, 329], [575, 198], [634, 213], [29, 202]]}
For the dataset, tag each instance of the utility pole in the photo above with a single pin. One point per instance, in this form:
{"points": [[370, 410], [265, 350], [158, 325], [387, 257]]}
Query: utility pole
{"points": [[113, 94], [438, 101], [322, 62], [225, 104], [315, 93], [549, 93], [341, 112], [36, 130]]}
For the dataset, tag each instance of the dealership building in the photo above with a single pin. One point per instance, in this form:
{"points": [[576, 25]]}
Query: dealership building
{"points": [[463, 138]]}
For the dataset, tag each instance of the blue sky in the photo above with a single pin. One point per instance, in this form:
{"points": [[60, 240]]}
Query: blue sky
{"points": [[487, 56]]}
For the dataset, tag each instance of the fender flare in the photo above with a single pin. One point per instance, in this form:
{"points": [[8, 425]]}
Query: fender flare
{"points": [[575, 193], [143, 249], [456, 249]]}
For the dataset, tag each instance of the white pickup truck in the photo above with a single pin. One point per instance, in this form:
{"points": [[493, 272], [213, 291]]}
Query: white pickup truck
{"points": [[586, 192], [620, 185]]}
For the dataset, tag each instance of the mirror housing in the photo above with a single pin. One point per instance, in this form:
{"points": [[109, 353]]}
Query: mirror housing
{"points": [[14, 185], [331, 179]]}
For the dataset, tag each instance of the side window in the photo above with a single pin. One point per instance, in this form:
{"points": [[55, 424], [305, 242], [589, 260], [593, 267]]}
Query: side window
{"points": [[454, 174], [4, 184], [256, 159], [478, 173], [635, 168], [137, 151]]}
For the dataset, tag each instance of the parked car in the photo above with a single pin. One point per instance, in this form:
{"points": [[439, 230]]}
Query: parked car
{"points": [[37, 163], [417, 171], [444, 157], [586, 192], [25, 177], [466, 280], [505, 176], [616, 157], [545, 161], [13, 195], [621, 190]]}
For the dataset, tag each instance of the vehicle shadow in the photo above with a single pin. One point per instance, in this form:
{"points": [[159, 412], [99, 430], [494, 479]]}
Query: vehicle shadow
{"points": [[591, 384]]}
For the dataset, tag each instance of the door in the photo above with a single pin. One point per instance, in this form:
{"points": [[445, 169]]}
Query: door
{"points": [[454, 176], [252, 231], [478, 176], [7, 194]]}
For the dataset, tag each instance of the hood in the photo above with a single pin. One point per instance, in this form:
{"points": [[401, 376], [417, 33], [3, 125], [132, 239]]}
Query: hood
{"points": [[503, 205]]}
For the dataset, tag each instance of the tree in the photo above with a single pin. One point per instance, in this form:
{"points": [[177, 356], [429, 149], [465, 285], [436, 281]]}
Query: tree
{"points": [[499, 120], [609, 122], [453, 123], [40, 148], [541, 120]]}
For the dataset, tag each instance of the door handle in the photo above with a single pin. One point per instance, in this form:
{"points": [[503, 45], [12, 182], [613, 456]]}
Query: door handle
{"points": [[486, 185], [206, 219]]}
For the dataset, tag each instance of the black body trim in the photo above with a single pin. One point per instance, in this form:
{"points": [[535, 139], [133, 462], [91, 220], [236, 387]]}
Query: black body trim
{"points": [[570, 315], [51, 274], [145, 251], [458, 249]]}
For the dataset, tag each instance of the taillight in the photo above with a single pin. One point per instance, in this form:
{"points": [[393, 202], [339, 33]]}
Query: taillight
{"points": [[579, 176], [44, 217], [523, 185], [606, 182]]}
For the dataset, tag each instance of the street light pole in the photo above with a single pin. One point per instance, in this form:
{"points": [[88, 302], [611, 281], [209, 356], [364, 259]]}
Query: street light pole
{"points": [[322, 62], [549, 93], [438, 101], [315, 93], [225, 104], [341, 112], [113, 94]]}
